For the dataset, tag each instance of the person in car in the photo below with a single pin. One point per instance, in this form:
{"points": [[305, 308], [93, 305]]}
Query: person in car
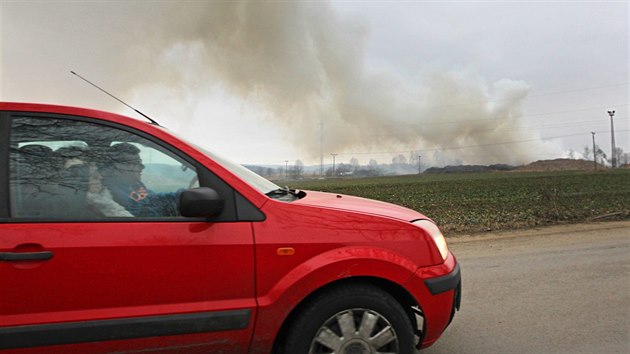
{"points": [[99, 197], [122, 175], [82, 174]]}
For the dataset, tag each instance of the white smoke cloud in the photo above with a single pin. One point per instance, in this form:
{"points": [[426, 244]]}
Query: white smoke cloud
{"points": [[301, 64], [305, 65]]}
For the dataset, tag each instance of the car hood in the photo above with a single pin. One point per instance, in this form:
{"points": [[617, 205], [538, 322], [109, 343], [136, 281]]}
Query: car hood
{"points": [[356, 204]]}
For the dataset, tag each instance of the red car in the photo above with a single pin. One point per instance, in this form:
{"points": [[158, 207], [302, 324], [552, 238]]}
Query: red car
{"points": [[118, 236]]}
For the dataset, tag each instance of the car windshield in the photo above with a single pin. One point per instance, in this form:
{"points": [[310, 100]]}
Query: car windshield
{"points": [[261, 184]]}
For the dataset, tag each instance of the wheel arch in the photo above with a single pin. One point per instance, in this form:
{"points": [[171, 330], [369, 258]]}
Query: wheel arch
{"points": [[398, 292]]}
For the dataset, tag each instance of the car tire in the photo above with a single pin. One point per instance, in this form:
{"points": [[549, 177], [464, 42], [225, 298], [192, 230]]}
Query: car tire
{"points": [[357, 318]]}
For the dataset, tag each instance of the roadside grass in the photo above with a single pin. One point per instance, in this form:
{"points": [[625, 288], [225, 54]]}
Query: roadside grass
{"points": [[479, 202]]}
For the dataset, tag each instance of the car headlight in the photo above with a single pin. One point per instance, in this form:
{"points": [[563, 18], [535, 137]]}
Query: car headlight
{"points": [[435, 234]]}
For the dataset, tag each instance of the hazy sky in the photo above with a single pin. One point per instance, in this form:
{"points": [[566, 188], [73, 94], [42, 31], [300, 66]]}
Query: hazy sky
{"points": [[264, 82]]}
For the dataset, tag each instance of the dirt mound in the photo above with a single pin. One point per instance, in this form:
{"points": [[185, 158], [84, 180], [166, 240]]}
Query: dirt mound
{"points": [[559, 165]]}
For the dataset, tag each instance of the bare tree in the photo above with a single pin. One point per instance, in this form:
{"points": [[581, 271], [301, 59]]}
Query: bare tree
{"points": [[618, 154], [343, 170], [599, 154], [587, 153], [354, 162], [297, 170]]}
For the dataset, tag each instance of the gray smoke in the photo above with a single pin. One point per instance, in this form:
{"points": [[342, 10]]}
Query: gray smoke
{"points": [[303, 64]]}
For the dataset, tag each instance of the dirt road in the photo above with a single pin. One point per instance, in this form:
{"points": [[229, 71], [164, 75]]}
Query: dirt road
{"points": [[563, 289]]}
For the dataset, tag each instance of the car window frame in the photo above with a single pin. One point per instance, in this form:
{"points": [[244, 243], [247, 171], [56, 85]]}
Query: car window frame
{"points": [[5, 127], [206, 177]]}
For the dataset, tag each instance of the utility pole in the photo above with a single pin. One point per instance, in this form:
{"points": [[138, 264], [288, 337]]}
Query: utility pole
{"points": [[612, 138], [594, 153], [419, 169], [286, 167], [333, 171]]}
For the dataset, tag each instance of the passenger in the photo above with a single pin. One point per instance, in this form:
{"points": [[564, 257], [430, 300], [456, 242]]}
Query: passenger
{"points": [[37, 163], [82, 175], [100, 199], [122, 175], [72, 171]]}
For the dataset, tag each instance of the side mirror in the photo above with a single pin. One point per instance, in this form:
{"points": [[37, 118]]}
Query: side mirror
{"points": [[200, 202]]}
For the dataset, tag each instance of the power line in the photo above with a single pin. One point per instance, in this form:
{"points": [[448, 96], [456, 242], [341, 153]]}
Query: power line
{"points": [[472, 146], [520, 128], [520, 116], [457, 147], [579, 90]]}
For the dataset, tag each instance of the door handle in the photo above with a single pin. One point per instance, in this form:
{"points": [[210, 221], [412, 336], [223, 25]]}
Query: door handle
{"points": [[25, 256]]}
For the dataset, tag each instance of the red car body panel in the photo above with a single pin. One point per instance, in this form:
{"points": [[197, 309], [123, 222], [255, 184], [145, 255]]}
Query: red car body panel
{"points": [[150, 289], [332, 241], [437, 309], [267, 267]]}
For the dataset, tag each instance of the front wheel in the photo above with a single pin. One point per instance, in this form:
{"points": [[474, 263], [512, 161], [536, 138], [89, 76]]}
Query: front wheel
{"points": [[351, 319]]}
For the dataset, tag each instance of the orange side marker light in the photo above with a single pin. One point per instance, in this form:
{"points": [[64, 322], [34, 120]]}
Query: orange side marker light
{"points": [[285, 251]]}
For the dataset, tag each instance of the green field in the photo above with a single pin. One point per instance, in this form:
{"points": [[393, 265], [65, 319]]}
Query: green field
{"points": [[478, 202]]}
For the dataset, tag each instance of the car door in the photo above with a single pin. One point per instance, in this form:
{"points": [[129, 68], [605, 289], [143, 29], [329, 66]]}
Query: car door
{"points": [[91, 269]]}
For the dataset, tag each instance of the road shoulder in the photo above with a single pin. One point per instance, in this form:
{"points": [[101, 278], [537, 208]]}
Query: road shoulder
{"points": [[539, 231]]}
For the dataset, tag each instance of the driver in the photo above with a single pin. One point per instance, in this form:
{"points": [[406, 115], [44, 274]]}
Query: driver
{"points": [[122, 175]]}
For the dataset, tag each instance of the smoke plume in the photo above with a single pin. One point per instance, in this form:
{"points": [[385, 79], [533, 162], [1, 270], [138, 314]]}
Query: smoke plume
{"points": [[307, 68]]}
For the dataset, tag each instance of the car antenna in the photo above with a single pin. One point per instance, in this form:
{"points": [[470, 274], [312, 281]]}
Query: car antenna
{"points": [[116, 98]]}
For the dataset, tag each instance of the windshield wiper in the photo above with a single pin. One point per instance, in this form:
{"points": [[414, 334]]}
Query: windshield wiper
{"points": [[285, 193], [281, 191]]}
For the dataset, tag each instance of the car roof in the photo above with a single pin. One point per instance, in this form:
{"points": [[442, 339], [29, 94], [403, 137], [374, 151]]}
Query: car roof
{"points": [[68, 110]]}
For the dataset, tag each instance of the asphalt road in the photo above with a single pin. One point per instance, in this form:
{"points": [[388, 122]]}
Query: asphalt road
{"points": [[554, 290]]}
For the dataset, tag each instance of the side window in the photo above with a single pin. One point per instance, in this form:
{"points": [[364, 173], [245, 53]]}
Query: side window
{"points": [[75, 170]]}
